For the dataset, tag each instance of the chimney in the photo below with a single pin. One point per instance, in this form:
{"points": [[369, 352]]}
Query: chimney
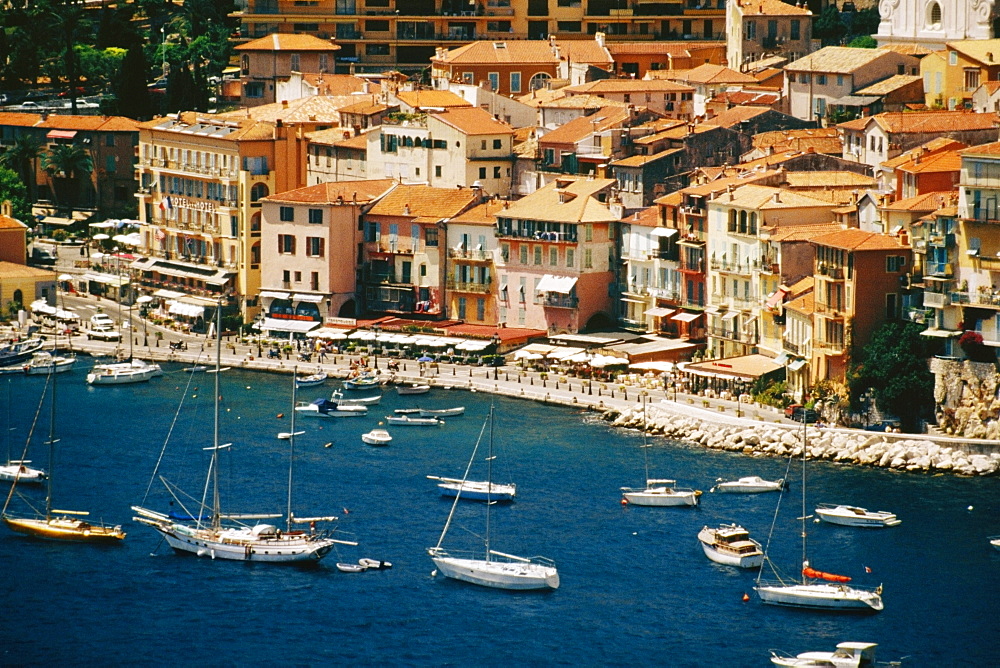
{"points": [[284, 104], [777, 197], [406, 209], [729, 190], [599, 38]]}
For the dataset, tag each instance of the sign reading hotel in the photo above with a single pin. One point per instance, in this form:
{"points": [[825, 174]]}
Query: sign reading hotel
{"points": [[185, 203]]}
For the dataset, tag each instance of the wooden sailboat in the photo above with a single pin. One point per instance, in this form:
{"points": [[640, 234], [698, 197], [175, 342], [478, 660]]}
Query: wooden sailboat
{"points": [[498, 570], [54, 524], [815, 589], [211, 534]]}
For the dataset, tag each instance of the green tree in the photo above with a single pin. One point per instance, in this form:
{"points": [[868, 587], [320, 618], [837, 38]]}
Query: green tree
{"points": [[12, 188], [829, 28], [894, 368], [20, 157], [131, 91], [863, 42], [69, 166]]}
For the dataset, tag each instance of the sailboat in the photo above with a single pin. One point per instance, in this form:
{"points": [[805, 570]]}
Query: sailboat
{"points": [[816, 589], [204, 532], [54, 524], [17, 470], [498, 570], [658, 491]]}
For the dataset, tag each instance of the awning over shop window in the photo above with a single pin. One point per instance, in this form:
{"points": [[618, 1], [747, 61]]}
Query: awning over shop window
{"points": [[663, 232], [168, 294], [633, 301], [61, 134], [659, 312], [270, 294], [685, 317], [186, 310], [730, 315], [106, 279], [278, 325], [306, 297], [776, 298], [561, 284], [796, 365], [781, 359]]}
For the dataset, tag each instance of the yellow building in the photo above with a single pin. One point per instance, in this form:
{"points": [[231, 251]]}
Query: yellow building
{"points": [[13, 237], [20, 285], [951, 76]]}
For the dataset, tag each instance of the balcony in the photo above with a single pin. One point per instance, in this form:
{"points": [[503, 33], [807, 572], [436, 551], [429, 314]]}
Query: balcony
{"points": [[830, 271], [940, 269], [556, 237], [557, 300], [474, 255], [830, 347], [942, 240], [477, 288], [403, 246], [793, 348], [731, 267], [979, 298], [937, 299], [919, 315], [634, 325], [732, 335], [828, 311]]}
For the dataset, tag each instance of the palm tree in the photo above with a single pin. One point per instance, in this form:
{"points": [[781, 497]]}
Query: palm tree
{"points": [[20, 157], [67, 166]]}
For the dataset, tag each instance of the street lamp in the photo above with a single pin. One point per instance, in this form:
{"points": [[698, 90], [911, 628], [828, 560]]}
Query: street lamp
{"points": [[495, 340], [145, 299], [376, 328]]}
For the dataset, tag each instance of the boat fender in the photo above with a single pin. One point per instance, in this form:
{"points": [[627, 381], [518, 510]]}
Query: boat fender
{"points": [[746, 597], [280, 415], [624, 501], [327, 445]]}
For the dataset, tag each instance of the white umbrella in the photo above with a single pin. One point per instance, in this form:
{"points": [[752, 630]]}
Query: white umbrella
{"points": [[101, 237], [527, 355], [65, 277]]}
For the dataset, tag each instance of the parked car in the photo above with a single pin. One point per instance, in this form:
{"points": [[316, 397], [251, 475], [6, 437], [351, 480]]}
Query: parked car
{"points": [[102, 320], [800, 413], [103, 333]]}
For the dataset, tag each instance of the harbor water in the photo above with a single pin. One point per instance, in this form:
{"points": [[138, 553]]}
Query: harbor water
{"points": [[635, 585]]}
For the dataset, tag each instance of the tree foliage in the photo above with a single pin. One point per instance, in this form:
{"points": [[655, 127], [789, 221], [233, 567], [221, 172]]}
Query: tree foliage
{"points": [[829, 28], [893, 368], [12, 188]]}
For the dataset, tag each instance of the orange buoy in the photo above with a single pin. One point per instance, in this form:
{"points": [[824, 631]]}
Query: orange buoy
{"points": [[624, 501], [281, 415], [746, 597]]}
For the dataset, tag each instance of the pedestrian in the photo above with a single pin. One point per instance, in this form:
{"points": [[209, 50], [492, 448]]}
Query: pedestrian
{"points": [[322, 355]]}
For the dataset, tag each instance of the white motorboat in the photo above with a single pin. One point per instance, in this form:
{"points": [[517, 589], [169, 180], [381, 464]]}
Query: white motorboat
{"points": [[413, 388], [339, 398], [441, 413], [661, 492], [285, 435], [324, 408], [351, 568], [847, 655], [748, 485], [44, 363], [377, 437], [375, 564], [312, 379], [413, 421], [212, 533], [13, 354], [995, 542], [815, 589], [731, 544], [852, 516], [490, 568], [123, 373], [17, 470], [476, 490]]}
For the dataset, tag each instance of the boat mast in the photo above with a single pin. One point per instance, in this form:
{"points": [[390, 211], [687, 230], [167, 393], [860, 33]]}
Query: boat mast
{"points": [[52, 448], [216, 503], [805, 561], [489, 485], [291, 449]]}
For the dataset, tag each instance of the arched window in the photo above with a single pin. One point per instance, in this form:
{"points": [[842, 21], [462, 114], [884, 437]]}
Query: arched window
{"points": [[732, 220], [743, 222], [753, 223], [255, 254], [255, 222], [540, 80], [934, 16], [257, 191], [245, 65]]}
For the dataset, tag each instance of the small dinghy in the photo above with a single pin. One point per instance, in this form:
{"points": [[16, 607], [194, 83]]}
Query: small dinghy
{"points": [[350, 568], [443, 412], [375, 564], [413, 388], [285, 435], [413, 421], [317, 378], [377, 437]]}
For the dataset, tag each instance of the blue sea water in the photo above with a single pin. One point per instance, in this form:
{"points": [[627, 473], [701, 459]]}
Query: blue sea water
{"points": [[636, 588]]}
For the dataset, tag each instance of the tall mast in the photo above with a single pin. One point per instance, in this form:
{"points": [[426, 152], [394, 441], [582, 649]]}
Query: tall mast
{"points": [[489, 485], [804, 558], [52, 446], [291, 449], [216, 503]]}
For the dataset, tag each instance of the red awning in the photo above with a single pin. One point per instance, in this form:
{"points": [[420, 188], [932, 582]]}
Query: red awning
{"points": [[776, 298], [61, 134]]}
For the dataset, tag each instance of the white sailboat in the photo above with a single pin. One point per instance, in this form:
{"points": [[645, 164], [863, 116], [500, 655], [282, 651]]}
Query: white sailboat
{"points": [[206, 534], [498, 570], [17, 470], [53, 524], [658, 491], [815, 589]]}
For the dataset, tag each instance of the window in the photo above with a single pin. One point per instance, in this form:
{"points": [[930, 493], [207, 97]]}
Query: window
{"points": [[523, 254], [934, 16], [795, 30], [515, 82], [588, 258], [588, 232], [569, 26], [480, 309], [497, 144], [468, 77], [890, 305], [840, 79], [376, 49], [294, 62], [314, 281], [430, 236], [482, 172], [569, 257], [286, 244], [494, 78], [553, 256], [750, 30], [254, 89], [109, 140], [496, 172], [316, 216], [110, 163], [314, 246], [286, 214], [461, 308], [538, 254], [298, 277], [437, 171], [953, 58], [804, 78], [286, 277], [376, 26], [820, 79], [894, 263]]}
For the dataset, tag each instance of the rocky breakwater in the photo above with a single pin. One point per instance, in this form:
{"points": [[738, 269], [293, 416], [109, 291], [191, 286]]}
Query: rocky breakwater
{"points": [[893, 451]]}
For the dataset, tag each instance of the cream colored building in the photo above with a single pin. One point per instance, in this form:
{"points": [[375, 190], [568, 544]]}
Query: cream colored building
{"points": [[758, 29]]}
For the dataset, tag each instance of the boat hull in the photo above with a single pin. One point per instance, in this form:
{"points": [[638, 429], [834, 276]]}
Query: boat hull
{"points": [[65, 529], [60, 365], [867, 520], [498, 574], [720, 553], [496, 494], [837, 598], [27, 475], [206, 543], [412, 389], [446, 412], [377, 438], [749, 486], [661, 499], [336, 413], [123, 374]]}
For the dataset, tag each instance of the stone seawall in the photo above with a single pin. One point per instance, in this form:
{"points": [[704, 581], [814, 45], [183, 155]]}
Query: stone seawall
{"points": [[903, 452]]}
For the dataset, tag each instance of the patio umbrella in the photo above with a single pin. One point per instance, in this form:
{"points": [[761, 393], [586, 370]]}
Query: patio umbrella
{"points": [[100, 237], [425, 358]]}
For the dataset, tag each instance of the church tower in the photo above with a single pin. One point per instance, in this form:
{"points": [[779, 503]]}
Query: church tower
{"points": [[931, 23]]}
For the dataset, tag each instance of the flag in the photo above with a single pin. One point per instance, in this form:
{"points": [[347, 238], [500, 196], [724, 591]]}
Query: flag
{"points": [[170, 204], [163, 207], [160, 234]]}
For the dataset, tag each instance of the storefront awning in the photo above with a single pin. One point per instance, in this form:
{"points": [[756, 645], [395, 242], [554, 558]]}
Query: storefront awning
{"points": [[940, 333], [633, 301], [306, 297], [776, 298], [685, 317], [60, 134], [561, 284], [270, 294], [663, 232], [730, 315], [781, 359], [106, 279], [186, 310], [796, 365], [168, 294], [279, 325], [659, 312]]}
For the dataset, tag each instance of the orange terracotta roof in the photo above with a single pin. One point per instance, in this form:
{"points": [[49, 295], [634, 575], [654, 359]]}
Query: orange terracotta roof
{"points": [[330, 193], [19, 119], [779, 234], [648, 217], [584, 126], [622, 86], [925, 202], [340, 84], [946, 161], [859, 240], [771, 8], [806, 304], [993, 148], [640, 160], [422, 99], [759, 98], [483, 214], [8, 223], [920, 122], [487, 52], [822, 139], [935, 145], [89, 123], [310, 109], [584, 51], [367, 107], [473, 121], [717, 74], [425, 202], [735, 116], [288, 42]]}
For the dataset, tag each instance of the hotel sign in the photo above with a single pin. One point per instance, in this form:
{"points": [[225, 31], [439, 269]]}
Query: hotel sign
{"points": [[185, 203]]}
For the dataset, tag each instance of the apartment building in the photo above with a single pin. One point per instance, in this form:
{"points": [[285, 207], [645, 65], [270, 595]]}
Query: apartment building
{"points": [[336, 155], [269, 60], [759, 29], [473, 264], [382, 34], [558, 246], [201, 182], [649, 253], [952, 75]]}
